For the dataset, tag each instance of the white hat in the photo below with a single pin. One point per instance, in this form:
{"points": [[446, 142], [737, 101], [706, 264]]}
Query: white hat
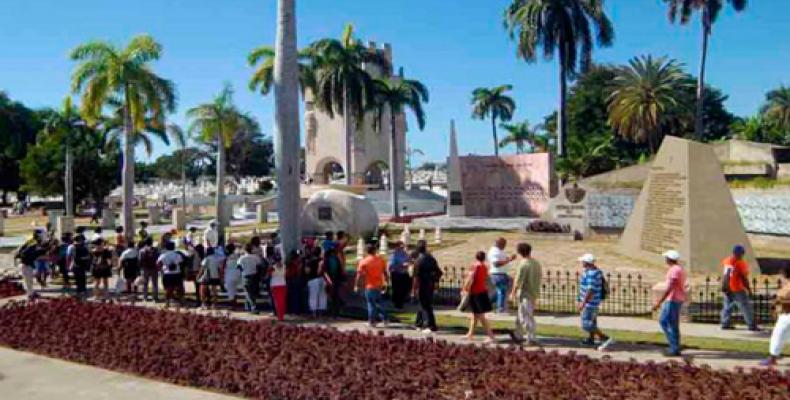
{"points": [[587, 258], [672, 255]]}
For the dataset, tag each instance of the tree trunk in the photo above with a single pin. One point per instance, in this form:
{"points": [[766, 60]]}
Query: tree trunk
{"points": [[222, 218], [127, 177], [699, 124], [347, 141], [561, 114], [496, 141], [393, 166], [286, 125], [183, 181], [68, 193]]}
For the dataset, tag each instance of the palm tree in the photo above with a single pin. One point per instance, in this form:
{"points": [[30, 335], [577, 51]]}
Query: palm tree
{"points": [[646, 94], [523, 135], [181, 138], [564, 26], [493, 103], [219, 121], [262, 59], [113, 130], [68, 125], [286, 124], [342, 84], [107, 72], [709, 12], [754, 129], [397, 95], [776, 109]]}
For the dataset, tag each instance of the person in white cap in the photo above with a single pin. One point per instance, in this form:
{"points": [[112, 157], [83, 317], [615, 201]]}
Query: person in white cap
{"points": [[210, 235], [591, 294], [671, 302]]}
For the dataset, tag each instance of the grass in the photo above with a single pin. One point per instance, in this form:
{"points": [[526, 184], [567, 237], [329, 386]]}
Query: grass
{"points": [[758, 183]]}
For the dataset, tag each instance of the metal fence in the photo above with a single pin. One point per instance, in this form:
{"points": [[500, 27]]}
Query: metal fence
{"points": [[629, 295]]}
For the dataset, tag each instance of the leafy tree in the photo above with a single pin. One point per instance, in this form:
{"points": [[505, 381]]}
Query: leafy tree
{"points": [[169, 166], [645, 92], [776, 109], [567, 27], [43, 166], [754, 129], [709, 12], [588, 157], [523, 135], [144, 173], [493, 103], [19, 127], [396, 96], [219, 121], [250, 153], [342, 84], [107, 73]]}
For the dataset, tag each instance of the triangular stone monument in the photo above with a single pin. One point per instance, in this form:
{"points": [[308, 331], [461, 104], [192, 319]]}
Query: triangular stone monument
{"points": [[686, 205], [455, 202]]}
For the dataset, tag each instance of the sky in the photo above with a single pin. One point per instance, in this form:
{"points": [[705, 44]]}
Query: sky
{"points": [[453, 46]]}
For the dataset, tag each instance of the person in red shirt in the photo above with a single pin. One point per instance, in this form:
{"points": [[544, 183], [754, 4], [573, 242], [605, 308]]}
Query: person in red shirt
{"points": [[671, 302], [737, 292], [476, 288], [372, 271]]}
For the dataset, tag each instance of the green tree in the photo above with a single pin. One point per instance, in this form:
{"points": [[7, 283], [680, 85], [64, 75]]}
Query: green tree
{"points": [[169, 166], [396, 96], [343, 85], [19, 126], [262, 59], [754, 129], [776, 109], [567, 27], [523, 135], [709, 12], [105, 73], [495, 104], [588, 157], [646, 91], [219, 121]]}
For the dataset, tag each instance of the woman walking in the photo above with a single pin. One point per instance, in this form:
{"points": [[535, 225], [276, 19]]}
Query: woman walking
{"points": [[208, 278], [231, 273], [170, 263], [102, 269], [130, 267], [277, 286], [317, 279], [476, 287]]}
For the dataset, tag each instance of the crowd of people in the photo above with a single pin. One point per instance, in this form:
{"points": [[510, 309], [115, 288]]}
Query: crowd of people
{"points": [[313, 280]]}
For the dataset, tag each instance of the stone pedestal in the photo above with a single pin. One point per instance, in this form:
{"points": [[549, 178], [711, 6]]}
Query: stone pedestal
{"points": [[154, 215], [384, 244], [422, 235], [179, 219], [64, 224], [360, 248], [261, 214], [53, 216], [658, 291], [107, 218], [437, 236]]}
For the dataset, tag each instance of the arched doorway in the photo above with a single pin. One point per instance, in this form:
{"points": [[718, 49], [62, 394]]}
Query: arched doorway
{"points": [[328, 171], [375, 173]]}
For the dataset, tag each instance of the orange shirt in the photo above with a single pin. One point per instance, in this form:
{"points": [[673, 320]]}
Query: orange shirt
{"points": [[740, 273], [372, 268], [480, 282]]}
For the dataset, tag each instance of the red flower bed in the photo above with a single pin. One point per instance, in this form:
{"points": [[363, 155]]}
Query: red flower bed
{"points": [[9, 288], [261, 360]]}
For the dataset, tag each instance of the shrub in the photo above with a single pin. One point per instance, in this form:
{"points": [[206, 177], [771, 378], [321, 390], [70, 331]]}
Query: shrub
{"points": [[9, 288]]}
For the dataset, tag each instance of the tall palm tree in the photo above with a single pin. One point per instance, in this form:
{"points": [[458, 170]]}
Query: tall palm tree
{"points": [[286, 124], [219, 121], [113, 130], [342, 84], [105, 72], [562, 26], [493, 103], [646, 93], [181, 138], [523, 135], [396, 95], [262, 59], [776, 109], [70, 127], [709, 10]]}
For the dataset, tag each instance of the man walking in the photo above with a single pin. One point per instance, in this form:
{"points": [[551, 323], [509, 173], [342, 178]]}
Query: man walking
{"points": [[372, 272], [591, 288], [427, 275], [737, 292], [78, 258], [250, 263], [525, 293], [211, 235], [671, 302], [399, 274], [148, 256], [498, 261], [781, 332]]}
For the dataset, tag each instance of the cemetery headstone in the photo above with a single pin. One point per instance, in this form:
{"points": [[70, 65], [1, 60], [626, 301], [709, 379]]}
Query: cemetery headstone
{"points": [[384, 244], [569, 207], [261, 213], [107, 218], [179, 219], [686, 205], [437, 235], [154, 217], [360, 248]]}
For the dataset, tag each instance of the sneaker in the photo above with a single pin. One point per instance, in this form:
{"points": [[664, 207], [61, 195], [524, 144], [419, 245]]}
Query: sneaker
{"points": [[727, 328], [385, 323], [606, 343], [667, 353], [418, 328], [427, 331], [588, 342], [755, 329], [515, 338], [371, 324]]}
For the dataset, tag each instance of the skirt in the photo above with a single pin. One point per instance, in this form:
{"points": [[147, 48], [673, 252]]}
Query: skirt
{"points": [[479, 303], [99, 273], [172, 281]]}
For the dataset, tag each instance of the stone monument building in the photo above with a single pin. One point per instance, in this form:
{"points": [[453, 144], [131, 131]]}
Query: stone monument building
{"points": [[325, 151]]}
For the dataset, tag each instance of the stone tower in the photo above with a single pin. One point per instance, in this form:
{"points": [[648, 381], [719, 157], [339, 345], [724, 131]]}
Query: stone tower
{"points": [[325, 149]]}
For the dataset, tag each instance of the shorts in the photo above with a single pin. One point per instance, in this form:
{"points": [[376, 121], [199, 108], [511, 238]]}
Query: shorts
{"points": [[172, 281], [131, 273], [100, 273], [590, 318], [480, 303], [42, 266]]}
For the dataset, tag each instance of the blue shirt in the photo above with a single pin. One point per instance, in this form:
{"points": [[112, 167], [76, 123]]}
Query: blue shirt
{"points": [[327, 245], [591, 280], [397, 262]]}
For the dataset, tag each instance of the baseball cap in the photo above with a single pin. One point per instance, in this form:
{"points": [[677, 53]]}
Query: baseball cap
{"points": [[587, 258], [672, 255], [738, 249]]}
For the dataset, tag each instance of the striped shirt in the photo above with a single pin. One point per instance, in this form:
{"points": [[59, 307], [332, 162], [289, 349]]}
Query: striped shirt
{"points": [[591, 280]]}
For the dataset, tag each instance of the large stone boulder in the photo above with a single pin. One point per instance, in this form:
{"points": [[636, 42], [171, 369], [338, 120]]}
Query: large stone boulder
{"points": [[336, 210]]}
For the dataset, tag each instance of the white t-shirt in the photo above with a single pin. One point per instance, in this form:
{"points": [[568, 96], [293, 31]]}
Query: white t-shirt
{"points": [[210, 237], [129, 253], [495, 255], [211, 264], [169, 258], [249, 264], [278, 275], [232, 273]]}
